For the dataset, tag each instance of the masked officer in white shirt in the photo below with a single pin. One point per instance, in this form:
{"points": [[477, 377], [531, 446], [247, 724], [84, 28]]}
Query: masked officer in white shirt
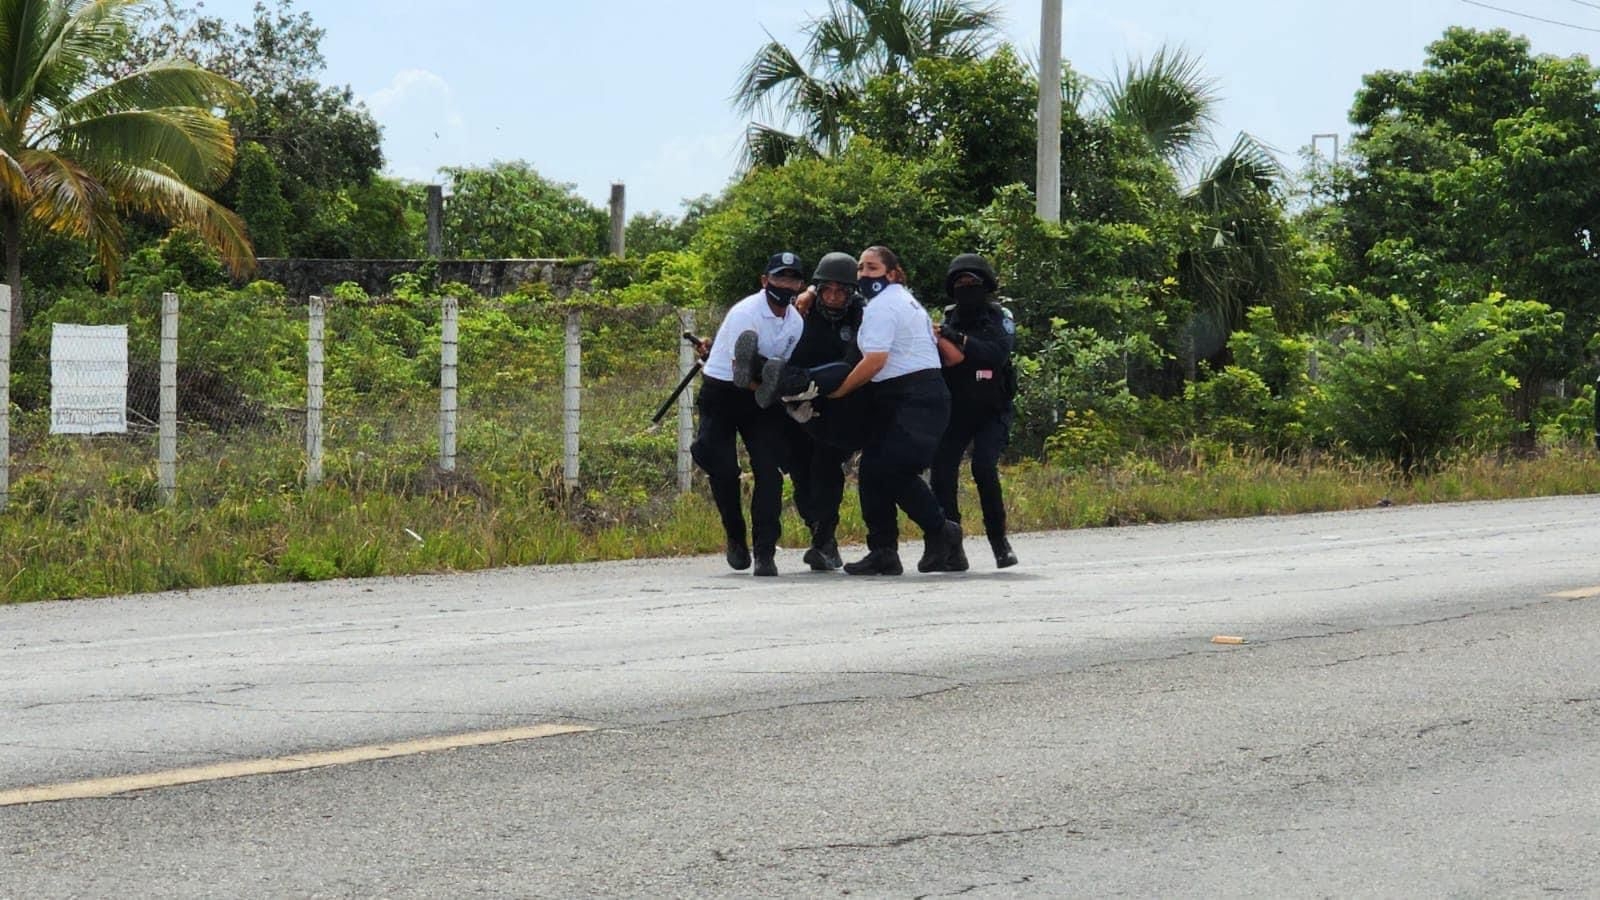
{"points": [[910, 408], [764, 324]]}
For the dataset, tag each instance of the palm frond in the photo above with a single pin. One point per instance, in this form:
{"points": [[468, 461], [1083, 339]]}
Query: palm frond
{"points": [[1168, 100], [164, 83], [161, 193], [73, 36], [191, 143], [959, 29], [1245, 175], [767, 147], [18, 193], [68, 199], [822, 106], [770, 80], [840, 42]]}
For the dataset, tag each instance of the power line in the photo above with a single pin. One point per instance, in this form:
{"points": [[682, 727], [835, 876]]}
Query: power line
{"points": [[1512, 12], [1587, 3]]}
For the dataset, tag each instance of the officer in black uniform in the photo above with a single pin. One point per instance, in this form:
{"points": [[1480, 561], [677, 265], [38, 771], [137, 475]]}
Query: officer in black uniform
{"points": [[822, 433], [976, 340]]}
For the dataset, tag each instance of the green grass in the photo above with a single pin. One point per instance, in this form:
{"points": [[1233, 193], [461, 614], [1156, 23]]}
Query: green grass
{"points": [[245, 519]]}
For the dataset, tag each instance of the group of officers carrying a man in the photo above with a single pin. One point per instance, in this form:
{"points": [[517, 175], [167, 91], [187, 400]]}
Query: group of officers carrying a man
{"points": [[808, 376]]}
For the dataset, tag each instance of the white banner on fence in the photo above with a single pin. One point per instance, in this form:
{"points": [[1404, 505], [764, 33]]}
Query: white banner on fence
{"points": [[88, 379]]}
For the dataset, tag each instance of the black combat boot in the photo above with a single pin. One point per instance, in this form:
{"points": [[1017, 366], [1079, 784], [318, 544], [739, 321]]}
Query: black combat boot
{"points": [[771, 380], [942, 551], [955, 558], [823, 555], [746, 362], [765, 564], [877, 562], [1004, 556], [738, 554]]}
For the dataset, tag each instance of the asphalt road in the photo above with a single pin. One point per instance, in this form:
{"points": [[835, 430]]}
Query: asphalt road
{"points": [[1415, 712]]}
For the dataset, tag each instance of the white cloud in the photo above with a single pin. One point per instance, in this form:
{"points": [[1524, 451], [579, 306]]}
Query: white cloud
{"points": [[685, 166], [423, 126]]}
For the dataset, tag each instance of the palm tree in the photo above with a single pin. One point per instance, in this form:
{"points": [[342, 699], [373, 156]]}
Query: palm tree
{"points": [[854, 41], [1168, 100], [1241, 253], [1238, 253], [76, 154]]}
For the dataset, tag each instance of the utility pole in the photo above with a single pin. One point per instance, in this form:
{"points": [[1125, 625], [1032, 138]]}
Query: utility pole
{"points": [[1326, 136], [1048, 172]]}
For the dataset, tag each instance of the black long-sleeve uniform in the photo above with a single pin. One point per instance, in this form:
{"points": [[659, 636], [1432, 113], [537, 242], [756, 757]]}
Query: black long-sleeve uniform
{"points": [[821, 446], [981, 411]]}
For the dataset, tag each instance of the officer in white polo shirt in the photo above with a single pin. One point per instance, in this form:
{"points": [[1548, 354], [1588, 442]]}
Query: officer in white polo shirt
{"points": [[764, 324], [910, 407]]}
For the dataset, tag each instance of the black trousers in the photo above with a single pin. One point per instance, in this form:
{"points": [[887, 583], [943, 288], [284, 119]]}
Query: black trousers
{"points": [[817, 470], [729, 414], [988, 434], [912, 412]]}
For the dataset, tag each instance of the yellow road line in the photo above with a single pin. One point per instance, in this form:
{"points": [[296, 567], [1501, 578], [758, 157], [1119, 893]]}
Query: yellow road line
{"points": [[122, 784], [1579, 594]]}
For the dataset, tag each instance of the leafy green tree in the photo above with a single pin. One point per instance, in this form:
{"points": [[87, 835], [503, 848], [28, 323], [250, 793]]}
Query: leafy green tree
{"points": [[1478, 173], [1409, 388], [319, 135], [381, 219], [259, 200], [854, 41], [812, 206], [324, 144], [648, 233], [76, 155], [978, 114], [507, 210]]}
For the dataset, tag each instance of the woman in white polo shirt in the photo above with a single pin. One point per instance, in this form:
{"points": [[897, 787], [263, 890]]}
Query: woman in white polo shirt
{"points": [[910, 405]]}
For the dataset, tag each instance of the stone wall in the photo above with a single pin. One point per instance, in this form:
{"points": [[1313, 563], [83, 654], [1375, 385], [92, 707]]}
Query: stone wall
{"points": [[488, 277]]}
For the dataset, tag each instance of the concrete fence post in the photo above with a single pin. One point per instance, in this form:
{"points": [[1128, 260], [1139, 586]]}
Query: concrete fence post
{"points": [[5, 395], [619, 219], [435, 219], [167, 443], [449, 341], [572, 400], [314, 357], [685, 406]]}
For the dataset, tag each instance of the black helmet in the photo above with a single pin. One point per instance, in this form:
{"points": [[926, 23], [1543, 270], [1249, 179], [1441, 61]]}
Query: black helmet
{"points": [[977, 265], [840, 267]]}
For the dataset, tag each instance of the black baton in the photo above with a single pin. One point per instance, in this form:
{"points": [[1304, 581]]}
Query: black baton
{"points": [[671, 398]]}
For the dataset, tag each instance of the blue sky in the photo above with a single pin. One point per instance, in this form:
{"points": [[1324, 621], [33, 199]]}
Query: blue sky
{"points": [[595, 92]]}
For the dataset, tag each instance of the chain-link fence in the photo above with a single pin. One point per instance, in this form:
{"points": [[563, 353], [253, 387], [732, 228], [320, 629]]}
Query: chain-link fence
{"points": [[388, 396]]}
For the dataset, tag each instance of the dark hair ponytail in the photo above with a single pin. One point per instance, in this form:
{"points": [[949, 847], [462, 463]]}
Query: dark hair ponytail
{"points": [[891, 260]]}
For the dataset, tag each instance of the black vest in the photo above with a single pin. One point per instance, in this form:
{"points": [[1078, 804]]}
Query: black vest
{"points": [[828, 340]]}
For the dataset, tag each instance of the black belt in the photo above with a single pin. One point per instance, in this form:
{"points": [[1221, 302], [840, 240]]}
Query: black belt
{"points": [[911, 378]]}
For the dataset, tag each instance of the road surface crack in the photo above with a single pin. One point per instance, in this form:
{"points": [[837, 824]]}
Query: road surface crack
{"points": [[1024, 879], [904, 840]]}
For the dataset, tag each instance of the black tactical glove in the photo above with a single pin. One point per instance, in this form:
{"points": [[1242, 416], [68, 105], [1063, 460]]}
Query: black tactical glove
{"points": [[950, 334]]}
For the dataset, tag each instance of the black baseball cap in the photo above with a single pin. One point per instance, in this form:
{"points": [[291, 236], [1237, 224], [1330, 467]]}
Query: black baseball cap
{"points": [[785, 261]]}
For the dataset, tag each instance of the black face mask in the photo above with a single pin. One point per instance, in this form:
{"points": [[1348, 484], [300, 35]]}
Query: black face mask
{"points": [[970, 296], [872, 287], [781, 296]]}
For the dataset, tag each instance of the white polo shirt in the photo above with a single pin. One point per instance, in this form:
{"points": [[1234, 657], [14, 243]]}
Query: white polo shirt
{"points": [[896, 322], [777, 335]]}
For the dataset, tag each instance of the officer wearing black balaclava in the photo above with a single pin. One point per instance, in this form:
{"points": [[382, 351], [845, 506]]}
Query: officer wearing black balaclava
{"points": [[976, 341]]}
